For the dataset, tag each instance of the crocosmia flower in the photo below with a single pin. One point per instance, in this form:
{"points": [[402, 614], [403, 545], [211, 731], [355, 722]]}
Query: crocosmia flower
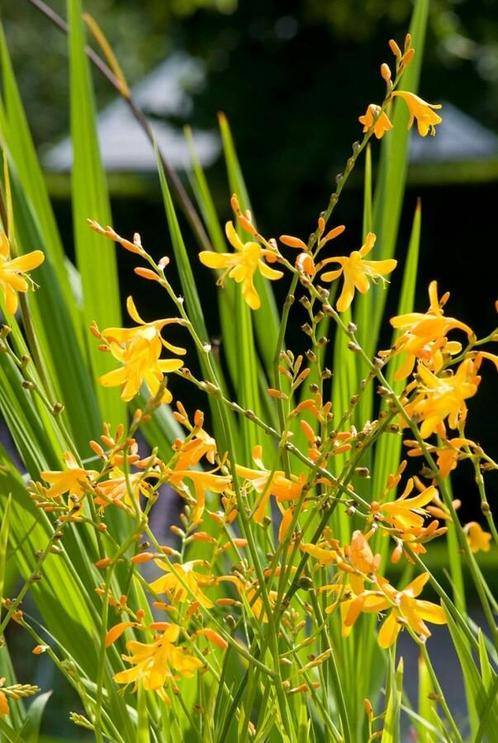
{"points": [[377, 118], [357, 272], [423, 112], [12, 280], [242, 265]]}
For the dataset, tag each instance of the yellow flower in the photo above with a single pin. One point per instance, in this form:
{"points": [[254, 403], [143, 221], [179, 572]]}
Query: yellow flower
{"points": [[477, 537], [189, 454], [11, 272], [406, 513], [357, 272], [267, 482], [242, 265], [157, 663], [422, 111], [139, 350], [424, 334], [448, 453], [407, 610], [182, 583], [120, 488], [377, 118], [443, 397], [74, 480]]}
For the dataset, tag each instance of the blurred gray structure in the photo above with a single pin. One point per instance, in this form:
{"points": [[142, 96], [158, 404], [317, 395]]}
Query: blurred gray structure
{"points": [[462, 145], [165, 92], [460, 138]]}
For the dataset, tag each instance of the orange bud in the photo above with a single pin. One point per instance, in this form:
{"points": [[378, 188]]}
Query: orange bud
{"points": [[104, 563], [202, 536], [239, 542], [335, 232], [305, 264], [39, 649], [234, 203], [407, 57], [142, 557], [308, 431], [301, 377], [161, 626], [395, 48], [213, 637], [96, 448], [146, 273], [198, 418], [227, 602], [278, 394], [246, 225], [293, 242], [385, 72]]}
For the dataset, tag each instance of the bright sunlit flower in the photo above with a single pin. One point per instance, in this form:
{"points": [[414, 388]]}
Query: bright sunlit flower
{"points": [[242, 265], [406, 513], [139, 350], [158, 663], [422, 111], [477, 538], [424, 335], [12, 280], [405, 609], [377, 118], [357, 272], [441, 398]]}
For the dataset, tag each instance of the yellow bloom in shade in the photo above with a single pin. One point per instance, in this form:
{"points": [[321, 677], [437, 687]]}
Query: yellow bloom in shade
{"points": [[158, 663], [422, 111], [139, 350], [267, 483], [183, 583], [357, 272], [477, 537], [12, 270], [377, 118], [74, 480], [242, 265], [441, 398]]}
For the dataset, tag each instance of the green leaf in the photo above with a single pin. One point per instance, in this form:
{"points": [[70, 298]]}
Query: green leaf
{"points": [[30, 732], [95, 255], [391, 731]]}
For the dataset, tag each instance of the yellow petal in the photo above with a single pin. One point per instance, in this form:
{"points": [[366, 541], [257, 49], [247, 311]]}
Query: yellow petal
{"points": [[232, 236], [215, 260], [28, 261], [389, 631]]}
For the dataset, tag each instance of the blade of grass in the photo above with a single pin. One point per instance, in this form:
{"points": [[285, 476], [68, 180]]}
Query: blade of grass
{"points": [[95, 256]]}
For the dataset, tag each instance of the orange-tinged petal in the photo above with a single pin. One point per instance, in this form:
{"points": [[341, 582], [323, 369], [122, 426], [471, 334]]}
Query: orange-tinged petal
{"points": [[116, 632]]}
